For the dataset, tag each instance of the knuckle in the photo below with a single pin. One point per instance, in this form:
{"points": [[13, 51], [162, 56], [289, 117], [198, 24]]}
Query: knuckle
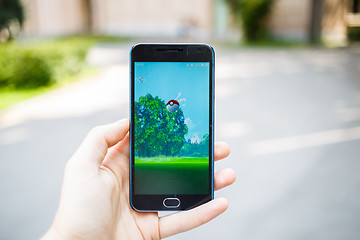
{"points": [[95, 131]]}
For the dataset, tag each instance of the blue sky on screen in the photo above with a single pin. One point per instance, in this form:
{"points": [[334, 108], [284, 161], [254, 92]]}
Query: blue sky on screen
{"points": [[186, 82]]}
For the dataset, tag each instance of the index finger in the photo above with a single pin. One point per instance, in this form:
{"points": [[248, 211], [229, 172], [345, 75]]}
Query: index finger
{"points": [[95, 146]]}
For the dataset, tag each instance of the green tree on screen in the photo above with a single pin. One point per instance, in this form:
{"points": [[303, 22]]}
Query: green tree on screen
{"points": [[158, 131], [196, 149]]}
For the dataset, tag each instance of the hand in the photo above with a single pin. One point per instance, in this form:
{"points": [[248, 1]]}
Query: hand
{"points": [[94, 202]]}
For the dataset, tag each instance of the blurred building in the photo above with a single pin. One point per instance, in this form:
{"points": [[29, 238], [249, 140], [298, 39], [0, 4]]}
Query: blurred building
{"points": [[156, 18], [313, 20], [201, 19], [55, 17]]}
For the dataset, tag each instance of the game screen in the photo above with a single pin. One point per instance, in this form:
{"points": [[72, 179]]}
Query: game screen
{"points": [[171, 126]]}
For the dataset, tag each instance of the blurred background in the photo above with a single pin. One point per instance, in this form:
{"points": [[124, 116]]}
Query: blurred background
{"points": [[287, 102]]}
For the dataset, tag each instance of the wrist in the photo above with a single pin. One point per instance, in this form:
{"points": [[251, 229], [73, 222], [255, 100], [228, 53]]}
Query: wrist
{"points": [[52, 234]]}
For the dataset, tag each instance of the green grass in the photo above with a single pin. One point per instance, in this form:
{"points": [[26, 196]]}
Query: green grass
{"points": [[96, 38], [74, 39], [10, 97], [172, 175], [172, 160]]}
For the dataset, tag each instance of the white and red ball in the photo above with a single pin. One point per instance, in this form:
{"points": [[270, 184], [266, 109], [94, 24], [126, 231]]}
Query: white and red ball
{"points": [[172, 106]]}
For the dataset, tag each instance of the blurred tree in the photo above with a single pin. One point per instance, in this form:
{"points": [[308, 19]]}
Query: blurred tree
{"points": [[88, 7], [196, 149], [10, 11], [317, 14], [252, 14], [158, 131]]}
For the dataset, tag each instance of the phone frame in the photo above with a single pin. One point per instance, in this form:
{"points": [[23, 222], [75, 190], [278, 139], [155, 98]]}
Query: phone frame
{"points": [[171, 53]]}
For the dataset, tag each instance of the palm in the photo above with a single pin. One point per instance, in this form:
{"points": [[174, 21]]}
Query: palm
{"points": [[95, 197], [139, 223], [148, 225]]}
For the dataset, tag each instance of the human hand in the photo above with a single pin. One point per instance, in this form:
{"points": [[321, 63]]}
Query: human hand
{"points": [[94, 201]]}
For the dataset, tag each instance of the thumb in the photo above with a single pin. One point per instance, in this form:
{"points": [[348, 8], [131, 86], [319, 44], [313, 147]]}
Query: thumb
{"points": [[93, 149]]}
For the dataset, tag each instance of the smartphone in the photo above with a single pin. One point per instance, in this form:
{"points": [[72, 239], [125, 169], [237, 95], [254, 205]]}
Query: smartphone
{"points": [[171, 126]]}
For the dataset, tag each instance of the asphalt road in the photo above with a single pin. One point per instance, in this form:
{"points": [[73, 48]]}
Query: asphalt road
{"points": [[291, 116]]}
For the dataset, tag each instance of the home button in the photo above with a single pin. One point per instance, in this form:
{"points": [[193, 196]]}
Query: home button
{"points": [[171, 202]]}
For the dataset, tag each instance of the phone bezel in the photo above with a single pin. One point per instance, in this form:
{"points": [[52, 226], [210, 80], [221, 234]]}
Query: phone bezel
{"points": [[172, 53]]}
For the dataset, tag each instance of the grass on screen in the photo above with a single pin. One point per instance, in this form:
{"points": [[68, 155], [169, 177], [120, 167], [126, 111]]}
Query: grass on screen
{"points": [[172, 175]]}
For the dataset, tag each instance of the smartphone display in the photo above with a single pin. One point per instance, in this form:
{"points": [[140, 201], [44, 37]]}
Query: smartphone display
{"points": [[171, 126]]}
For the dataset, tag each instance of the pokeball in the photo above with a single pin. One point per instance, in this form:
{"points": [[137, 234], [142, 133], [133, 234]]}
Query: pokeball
{"points": [[172, 106]]}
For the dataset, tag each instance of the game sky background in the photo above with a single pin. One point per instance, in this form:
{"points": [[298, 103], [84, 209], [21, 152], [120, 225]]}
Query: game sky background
{"points": [[187, 82]]}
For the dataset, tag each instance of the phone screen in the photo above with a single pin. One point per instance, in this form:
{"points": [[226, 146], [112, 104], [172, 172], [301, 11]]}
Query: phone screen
{"points": [[171, 127]]}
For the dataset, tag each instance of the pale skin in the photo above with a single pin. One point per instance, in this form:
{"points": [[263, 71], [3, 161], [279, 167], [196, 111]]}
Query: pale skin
{"points": [[94, 201]]}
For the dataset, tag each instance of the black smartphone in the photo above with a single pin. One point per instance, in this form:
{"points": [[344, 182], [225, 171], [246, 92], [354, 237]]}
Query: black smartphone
{"points": [[171, 126]]}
